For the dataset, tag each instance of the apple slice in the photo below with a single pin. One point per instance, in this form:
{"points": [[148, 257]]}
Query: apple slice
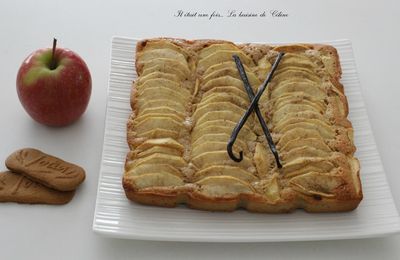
{"points": [[164, 142], [305, 86], [298, 133], [296, 60], [204, 108], [158, 75], [213, 137], [233, 72], [220, 186], [160, 44], [160, 102], [159, 133], [312, 142], [158, 149], [153, 168], [304, 165], [223, 65], [162, 110], [161, 68], [225, 97], [165, 64], [221, 129], [142, 117], [154, 180], [222, 115], [162, 82], [223, 81], [300, 116], [324, 130], [217, 47], [221, 56], [220, 158], [211, 146], [160, 93], [316, 183], [230, 90], [279, 114], [263, 67], [229, 126], [157, 158], [301, 152], [146, 56], [163, 122], [225, 170]]}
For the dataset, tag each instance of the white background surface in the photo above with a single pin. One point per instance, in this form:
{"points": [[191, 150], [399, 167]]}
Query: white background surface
{"points": [[51, 232]]}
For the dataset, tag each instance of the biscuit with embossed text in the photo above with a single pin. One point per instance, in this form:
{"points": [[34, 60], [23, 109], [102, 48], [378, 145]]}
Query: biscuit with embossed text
{"points": [[46, 169], [17, 188]]}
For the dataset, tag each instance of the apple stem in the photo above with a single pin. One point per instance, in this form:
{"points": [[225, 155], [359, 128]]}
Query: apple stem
{"points": [[53, 64]]}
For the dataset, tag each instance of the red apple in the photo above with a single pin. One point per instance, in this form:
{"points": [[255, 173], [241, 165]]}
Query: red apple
{"points": [[54, 86]]}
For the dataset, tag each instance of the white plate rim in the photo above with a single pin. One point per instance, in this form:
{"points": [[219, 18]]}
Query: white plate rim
{"points": [[190, 238]]}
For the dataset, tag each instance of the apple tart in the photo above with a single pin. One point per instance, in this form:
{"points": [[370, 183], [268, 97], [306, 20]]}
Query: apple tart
{"points": [[189, 97]]}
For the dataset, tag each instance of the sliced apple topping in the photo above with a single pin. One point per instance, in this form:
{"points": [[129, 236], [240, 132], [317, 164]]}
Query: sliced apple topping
{"points": [[158, 75], [218, 115], [164, 142], [310, 142], [297, 60], [163, 122], [233, 72], [217, 107], [262, 69], [221, 56], [163, 82], [150, 116], [291, 85], [229, 90], [262, 160], [219, 158], [316, 183], [217, 47], [158, 158], [193, 131], [214, 146], [162, 92], [225, 97], [166, 64], [279, 114], [225, 170], [161, 102], [153, 168], [161, 53], [304, 152], [155, 180], [159, 133], [182, 74], [303, 165], [219, 186], [163, 110], [245, 135], [160, 44], [224, 65], [222, 81]]}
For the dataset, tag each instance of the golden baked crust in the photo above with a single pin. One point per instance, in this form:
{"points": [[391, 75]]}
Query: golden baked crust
{"points": [[189, 96]]}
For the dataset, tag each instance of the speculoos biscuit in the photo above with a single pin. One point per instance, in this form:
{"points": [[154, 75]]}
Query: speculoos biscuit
{"points": [[46, 169], [17, 188]]}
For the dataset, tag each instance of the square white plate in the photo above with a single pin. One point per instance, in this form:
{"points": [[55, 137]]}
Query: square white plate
{"points": [[116, 216]]}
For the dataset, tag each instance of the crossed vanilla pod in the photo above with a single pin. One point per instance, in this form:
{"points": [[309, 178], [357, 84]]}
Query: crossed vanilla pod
{"points": [[253, 106]]}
